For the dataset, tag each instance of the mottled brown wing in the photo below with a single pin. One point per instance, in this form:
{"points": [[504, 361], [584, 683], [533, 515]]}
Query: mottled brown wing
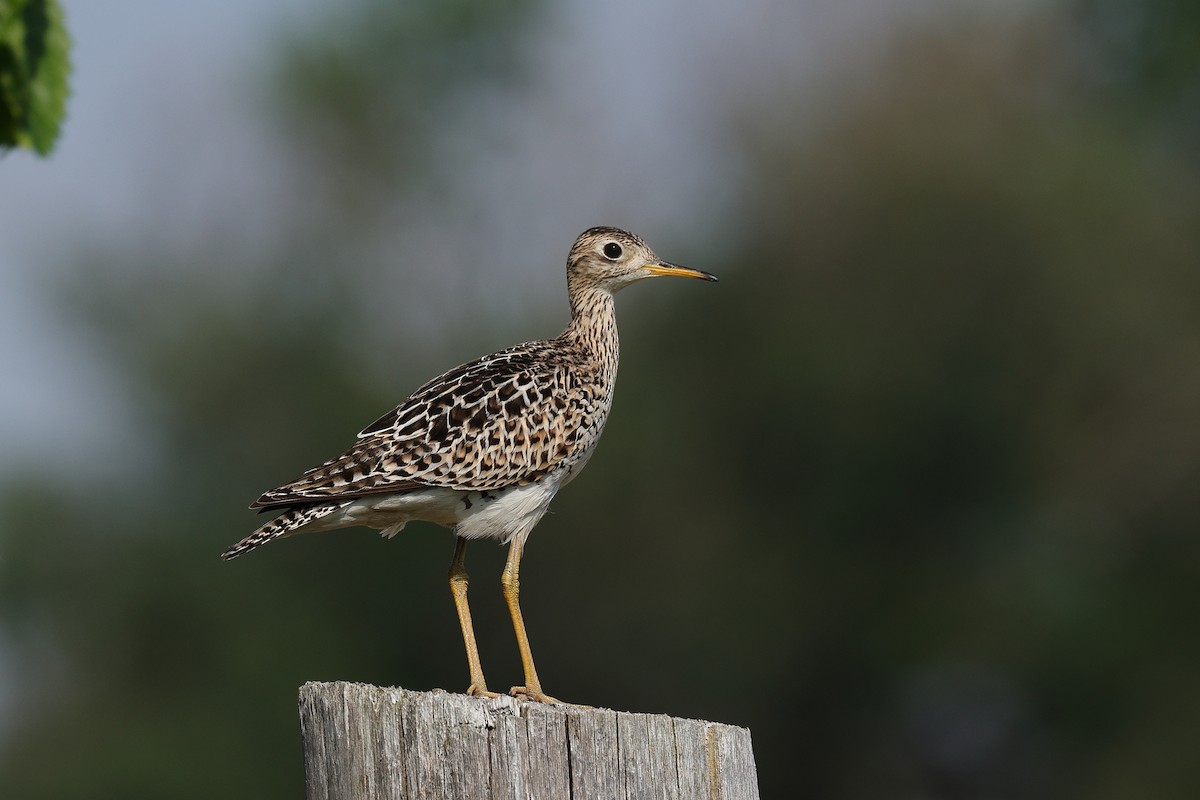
{"points": [[506, 419]]}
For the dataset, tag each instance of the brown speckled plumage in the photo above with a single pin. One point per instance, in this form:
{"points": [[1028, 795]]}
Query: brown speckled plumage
{"points": [[484, 447], [504, 420]]}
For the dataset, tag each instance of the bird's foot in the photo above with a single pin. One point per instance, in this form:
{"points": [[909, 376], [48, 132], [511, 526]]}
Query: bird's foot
{"points": [[538, 696], [481, 690]]}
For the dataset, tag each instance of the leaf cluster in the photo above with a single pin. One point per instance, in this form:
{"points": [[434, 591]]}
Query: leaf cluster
{"points": [[34, 70]]}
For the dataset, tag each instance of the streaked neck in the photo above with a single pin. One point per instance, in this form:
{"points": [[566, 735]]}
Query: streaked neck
{"points": [[594, 325]]}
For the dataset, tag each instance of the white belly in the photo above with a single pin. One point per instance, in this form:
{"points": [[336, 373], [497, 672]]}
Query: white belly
{"points": [[509, 513], [502, 514]]}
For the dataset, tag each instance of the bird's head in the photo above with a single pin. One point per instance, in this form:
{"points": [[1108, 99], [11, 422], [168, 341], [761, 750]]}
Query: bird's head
{"points": [[610, 259]]}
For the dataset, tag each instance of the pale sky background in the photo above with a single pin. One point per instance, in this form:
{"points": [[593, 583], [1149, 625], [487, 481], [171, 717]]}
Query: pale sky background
{"points": [[162, 134]]}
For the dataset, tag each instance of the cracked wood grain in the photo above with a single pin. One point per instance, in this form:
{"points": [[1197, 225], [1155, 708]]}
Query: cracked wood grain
{"points": [[365, 742]]}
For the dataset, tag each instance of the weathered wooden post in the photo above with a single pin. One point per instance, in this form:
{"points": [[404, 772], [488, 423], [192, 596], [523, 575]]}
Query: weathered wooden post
{"points": [[365, 742]]}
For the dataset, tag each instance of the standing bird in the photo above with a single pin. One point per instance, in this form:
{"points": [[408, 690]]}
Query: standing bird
{"points": [[484, 448]]}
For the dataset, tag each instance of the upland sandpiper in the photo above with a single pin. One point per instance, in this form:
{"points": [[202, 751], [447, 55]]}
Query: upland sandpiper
{"points": [[484, 448]]}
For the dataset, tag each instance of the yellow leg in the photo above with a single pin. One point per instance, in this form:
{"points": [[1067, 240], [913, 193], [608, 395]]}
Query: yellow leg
{"points": [[458, 587], [510, 581]]}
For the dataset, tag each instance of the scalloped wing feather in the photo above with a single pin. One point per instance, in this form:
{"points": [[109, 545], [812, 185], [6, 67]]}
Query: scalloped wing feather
{"points": [[503, 420]]}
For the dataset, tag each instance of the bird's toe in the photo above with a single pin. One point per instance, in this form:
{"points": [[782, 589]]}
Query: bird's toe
{"points": [[481, 691], [538, 696]]}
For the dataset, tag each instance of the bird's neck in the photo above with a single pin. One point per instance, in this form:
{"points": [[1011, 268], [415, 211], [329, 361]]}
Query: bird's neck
{"points": [[594, 327]]}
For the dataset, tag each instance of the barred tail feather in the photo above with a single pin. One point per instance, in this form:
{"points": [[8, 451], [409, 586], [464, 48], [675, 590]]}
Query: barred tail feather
{"points": [[285, 524]]}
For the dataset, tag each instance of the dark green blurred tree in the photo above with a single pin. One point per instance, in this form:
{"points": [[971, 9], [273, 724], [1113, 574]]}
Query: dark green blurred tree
{"points": [[1147, 54], [910, 493], [962, 444]]}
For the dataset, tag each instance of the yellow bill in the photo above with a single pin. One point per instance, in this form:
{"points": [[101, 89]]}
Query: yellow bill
{"points": [[667, 268]]}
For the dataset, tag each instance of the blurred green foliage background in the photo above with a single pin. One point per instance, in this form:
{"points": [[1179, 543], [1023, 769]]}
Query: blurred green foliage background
{"points": [[911, 493]]}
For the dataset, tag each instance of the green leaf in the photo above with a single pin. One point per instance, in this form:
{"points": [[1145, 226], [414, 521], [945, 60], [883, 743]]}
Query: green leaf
{"points": [[34, 67]]}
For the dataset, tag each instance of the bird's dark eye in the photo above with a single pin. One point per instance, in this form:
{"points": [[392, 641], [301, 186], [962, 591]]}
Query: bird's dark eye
{"points": [[612, 251]]}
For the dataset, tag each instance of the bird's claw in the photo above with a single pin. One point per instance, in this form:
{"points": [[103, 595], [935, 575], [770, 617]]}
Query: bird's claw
{"points": [[481, 691], [538, 696]]}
